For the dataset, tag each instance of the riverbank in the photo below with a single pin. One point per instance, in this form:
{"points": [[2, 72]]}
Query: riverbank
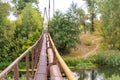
{"points": [[101, 58], [78, 63], [104, 65]]}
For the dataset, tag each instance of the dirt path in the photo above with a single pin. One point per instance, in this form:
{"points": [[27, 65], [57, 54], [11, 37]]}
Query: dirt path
{"points": [[93, 50]]}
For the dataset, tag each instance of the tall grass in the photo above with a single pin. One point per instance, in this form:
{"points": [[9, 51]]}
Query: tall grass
{"points": [[110, 58], [79, 63], [114, 77]]}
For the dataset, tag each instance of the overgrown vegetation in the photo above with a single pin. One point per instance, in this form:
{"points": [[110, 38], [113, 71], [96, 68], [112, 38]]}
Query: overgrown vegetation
{"points": [[114, 77], [21, 4], [79, 63], [17, 36], [64, 29], [108, 58], [4, 65], [110, 29]]}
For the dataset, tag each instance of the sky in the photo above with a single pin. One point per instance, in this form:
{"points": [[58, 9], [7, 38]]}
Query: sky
{"points": [[61, 5]]}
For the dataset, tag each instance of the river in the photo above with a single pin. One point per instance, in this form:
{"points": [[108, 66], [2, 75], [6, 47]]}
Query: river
{"points": [[100, 73]]}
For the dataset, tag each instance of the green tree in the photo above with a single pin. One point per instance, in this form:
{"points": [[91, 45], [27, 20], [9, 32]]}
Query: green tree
{"points": [[15, 37], [78, 15], [28, 29], [21, 4], [64, 31], [92, 12], [4, 30], [82, 18], [110, 18]]}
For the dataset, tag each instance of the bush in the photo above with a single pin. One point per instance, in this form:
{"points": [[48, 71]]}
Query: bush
{"points": [[64, 32], [87, 42], [86, 39], [111, 58], [4, 64], [114, 77], [79, 63]]}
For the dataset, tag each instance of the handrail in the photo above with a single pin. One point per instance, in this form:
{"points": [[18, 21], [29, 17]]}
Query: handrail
{"points": [[62, 63], [54, 70], [9, 68], [14, 64]]}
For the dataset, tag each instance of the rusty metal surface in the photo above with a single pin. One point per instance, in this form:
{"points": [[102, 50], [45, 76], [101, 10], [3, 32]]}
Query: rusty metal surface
{"points": [[16, 73], [55, 73], [39, 59], [43, 62], [33, 62], [42, 69], [54, 70], [27, 66], [41, 73], [41, 77], [50, 55], [62, 63], [42, 52]]}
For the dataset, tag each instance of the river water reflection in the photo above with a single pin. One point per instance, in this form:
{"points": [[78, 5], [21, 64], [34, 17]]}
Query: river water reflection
{"points": [[100, 73]]}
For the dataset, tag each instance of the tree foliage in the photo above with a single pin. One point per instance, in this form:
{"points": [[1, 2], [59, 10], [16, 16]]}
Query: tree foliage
{"points": [[110, 18], [78, 16], [21, 4], [64, 29], [15, 37], [91, 4], [28, 28], [4, 29]]}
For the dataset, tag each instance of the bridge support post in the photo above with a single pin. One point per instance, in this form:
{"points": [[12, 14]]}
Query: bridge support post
{"points": [[27, 66], [33, 61], [16, 73]]}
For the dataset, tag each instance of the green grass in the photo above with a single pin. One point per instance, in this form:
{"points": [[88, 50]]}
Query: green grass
{"points": [[78, 63], [114, 77], [109, 57], [106, 58]]}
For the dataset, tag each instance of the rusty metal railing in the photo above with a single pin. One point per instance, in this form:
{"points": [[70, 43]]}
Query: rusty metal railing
{"points": [[35, 55], [66, 69], [44, 55], [53, 67]]}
